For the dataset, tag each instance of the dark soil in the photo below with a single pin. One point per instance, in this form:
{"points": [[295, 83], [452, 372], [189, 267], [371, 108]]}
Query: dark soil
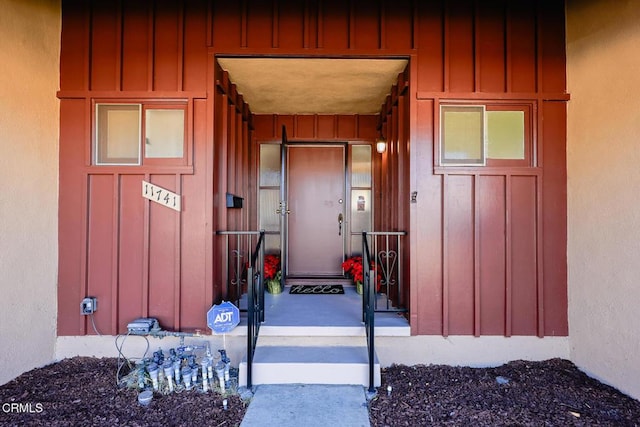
{"points": [[550, 393], [83, 391]]}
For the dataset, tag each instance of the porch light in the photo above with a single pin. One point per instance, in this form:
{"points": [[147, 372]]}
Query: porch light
{"points": [[381, 146]]}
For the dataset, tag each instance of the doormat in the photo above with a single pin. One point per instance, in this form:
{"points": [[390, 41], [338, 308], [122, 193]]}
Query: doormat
{"points": [[316, 289]]}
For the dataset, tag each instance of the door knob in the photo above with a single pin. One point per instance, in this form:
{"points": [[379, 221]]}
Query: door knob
{"points": [[340, 221]]}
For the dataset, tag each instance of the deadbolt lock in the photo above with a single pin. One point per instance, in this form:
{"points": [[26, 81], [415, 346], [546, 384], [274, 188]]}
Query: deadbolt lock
{"points": [[282, 210]]}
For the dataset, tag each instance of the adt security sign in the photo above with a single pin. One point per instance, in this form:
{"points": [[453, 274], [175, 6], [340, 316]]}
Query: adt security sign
{"points": [[223, 318]]}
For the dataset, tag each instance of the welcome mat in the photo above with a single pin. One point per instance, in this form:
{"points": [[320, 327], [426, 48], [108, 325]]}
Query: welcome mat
{"points": [[316, 289]]}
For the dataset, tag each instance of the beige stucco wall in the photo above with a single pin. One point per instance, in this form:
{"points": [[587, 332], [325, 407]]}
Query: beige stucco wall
{"points": [[603, 69], [29, 117]]}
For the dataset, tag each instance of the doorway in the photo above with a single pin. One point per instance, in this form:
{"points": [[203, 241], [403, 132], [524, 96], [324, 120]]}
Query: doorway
{"points": [[303, 188], [315, 197]]}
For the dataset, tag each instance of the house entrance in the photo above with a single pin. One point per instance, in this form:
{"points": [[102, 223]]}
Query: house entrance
{"points": [[315, 201]]}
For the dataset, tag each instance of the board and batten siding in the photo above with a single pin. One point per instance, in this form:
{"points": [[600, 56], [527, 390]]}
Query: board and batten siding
{"points": [[487, 246]]}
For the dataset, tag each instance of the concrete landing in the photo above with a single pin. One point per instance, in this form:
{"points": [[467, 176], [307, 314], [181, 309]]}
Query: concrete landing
{"points": [[295, 405]]}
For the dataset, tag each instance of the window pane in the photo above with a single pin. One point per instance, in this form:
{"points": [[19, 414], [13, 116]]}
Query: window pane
{"points": [[164, 133], [505, 134], [270, 165], [269, 203], [269, 219], [360, 217], [361, 166], [462, 135], [360, 211], [117, 134]]}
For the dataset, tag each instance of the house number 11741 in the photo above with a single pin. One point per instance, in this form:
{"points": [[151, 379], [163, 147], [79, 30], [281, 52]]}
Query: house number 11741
{"points": [[161, 196]]}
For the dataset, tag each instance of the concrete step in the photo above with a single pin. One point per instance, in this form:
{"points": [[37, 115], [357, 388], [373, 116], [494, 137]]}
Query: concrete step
{"points": [[310, 365]]}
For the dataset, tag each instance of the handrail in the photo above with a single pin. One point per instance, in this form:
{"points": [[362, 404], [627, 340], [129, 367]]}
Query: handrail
{"points": [[255, 283], [368, 306], [255, 303], [237, 256]]}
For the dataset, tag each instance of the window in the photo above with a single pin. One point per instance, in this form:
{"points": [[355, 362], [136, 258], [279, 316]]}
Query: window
{"points": [[121, 128], [485, 135], [462, 135], [269, 194], [360, 218]]}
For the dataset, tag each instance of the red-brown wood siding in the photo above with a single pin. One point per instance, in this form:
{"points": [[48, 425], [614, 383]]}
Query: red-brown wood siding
{"points": [[487, 246], [392, 172], [268, 127]]}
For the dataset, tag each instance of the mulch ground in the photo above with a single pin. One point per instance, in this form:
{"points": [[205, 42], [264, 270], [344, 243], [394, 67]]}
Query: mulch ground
{"points": [[83, 391], [549, 393]]}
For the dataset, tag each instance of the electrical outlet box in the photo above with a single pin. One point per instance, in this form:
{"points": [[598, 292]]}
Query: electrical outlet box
{"points": [[141, 326], [89, 305]]}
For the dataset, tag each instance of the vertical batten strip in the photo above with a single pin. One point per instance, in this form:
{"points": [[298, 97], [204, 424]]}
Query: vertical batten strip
{"points": [[538, 48], [222, 165], [319, 25], [151, 40], [540, 256], [475, 31], [210, 110], [209, 25], [145, 253], [445, 256], [244, 27], [508, 258], [177, 271], [115, 254], [275, 19], [119, 45], [446, 60], [84, 287], [88, 47], [351, 43], [508, 69], [180, 59], [476, 255], [415, 27], [382, 25]]}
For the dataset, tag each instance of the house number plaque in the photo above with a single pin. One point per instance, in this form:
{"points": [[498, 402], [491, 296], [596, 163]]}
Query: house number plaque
{"points": [[161, 196]]}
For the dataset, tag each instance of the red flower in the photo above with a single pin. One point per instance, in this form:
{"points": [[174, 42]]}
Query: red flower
{"points": [[353, 266], [271, 266]]}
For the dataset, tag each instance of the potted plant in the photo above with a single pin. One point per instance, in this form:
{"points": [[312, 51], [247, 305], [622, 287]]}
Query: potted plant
{"points": [[272, 273], [353, 268]]}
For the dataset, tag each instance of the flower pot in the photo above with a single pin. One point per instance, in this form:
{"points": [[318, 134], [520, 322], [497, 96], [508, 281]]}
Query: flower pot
{"points": [[274, 286], [359, 287]]}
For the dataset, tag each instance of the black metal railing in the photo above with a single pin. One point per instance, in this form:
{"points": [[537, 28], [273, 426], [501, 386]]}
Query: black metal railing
{"points": [[238, 248], [254, 279], [255, 303], [387, 255], [368, 305]]}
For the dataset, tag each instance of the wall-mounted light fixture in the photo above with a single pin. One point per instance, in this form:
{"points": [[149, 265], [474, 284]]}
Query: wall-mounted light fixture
{"points": [[381, 145]]}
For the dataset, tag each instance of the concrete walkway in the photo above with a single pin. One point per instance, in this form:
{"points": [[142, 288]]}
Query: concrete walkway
{"points": [[309, 405]]}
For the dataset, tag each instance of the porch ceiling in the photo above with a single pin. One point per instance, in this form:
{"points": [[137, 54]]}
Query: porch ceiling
{"points": [[313, 85]]}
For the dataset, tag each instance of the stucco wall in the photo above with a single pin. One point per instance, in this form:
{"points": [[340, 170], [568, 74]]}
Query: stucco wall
{"points": [[29, 76], [603, 67]]}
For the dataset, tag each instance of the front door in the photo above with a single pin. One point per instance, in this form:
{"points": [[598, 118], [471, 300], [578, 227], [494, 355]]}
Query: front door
{"points": [[315, 177]]}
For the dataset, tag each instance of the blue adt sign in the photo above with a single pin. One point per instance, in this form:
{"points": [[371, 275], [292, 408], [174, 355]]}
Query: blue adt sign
{"points": [[223, 318]]}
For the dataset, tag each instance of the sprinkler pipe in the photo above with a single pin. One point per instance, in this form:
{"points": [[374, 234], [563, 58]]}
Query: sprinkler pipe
{"points": [[168, 373], [153, 373]]}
